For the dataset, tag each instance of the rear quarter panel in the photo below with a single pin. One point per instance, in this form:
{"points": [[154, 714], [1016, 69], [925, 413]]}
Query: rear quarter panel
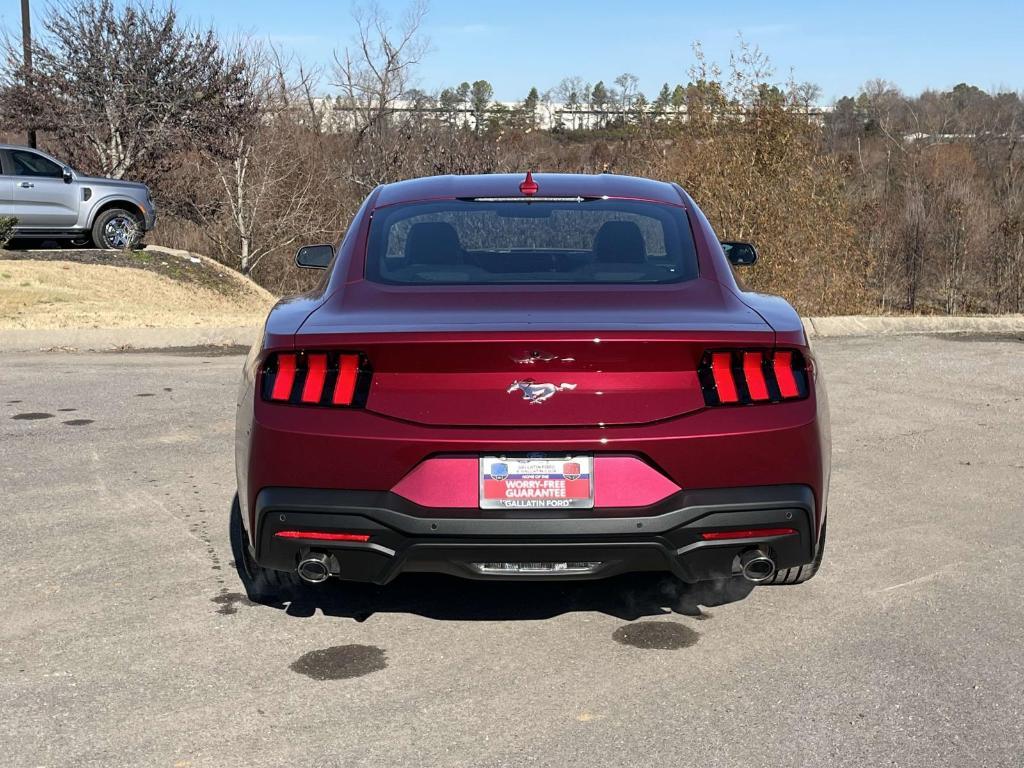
{"points": [[282, 324]]}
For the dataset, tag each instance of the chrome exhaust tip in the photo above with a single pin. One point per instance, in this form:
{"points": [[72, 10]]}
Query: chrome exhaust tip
{"points": [[314, 569], [756, 566]]}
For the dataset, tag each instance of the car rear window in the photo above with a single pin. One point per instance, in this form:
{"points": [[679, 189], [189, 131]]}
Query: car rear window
{"points": [[576, 241]]}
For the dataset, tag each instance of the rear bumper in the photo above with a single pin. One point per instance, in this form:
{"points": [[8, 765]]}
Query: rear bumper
{"points": [[404, 537], [279, 446]]}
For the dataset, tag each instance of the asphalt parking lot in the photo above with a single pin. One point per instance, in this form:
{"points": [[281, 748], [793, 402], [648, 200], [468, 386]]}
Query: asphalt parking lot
{"points": [[125, 639]]}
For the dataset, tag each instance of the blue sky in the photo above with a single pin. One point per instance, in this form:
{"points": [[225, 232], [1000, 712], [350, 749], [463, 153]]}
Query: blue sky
{"points": [[516, 45]]}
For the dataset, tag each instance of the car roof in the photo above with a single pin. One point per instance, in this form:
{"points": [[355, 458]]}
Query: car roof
{"points": [[507, 185], [26, 147]]}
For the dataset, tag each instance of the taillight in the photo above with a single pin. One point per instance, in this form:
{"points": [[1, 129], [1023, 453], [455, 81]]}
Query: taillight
{"points": [[338, 379], [745, 376]]}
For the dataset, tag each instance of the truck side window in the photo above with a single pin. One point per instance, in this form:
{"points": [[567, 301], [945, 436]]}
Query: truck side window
{"points": [[31, 164]]}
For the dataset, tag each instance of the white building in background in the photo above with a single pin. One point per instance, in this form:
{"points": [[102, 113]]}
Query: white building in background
{"points": [[337, 113]]}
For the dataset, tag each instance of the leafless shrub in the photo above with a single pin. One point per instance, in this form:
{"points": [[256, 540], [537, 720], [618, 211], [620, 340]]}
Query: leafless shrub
{"points": [[7, 225]]}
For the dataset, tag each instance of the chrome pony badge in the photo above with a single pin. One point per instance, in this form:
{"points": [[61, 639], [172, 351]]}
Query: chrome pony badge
{"points": [[537, 393]]}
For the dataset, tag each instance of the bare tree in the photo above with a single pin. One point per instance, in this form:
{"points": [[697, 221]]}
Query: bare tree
{"points": [[547, 106], [573, 93], [628, 84], [120, 88], [375, 71], [267, 169], [806, 94]]}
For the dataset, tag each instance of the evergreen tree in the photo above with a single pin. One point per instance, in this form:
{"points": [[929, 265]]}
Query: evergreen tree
{"points": [[449, 102], [599, 100], [480, 97], [678, 97], [498, 118], [463, 92], [661, 104], [529, 108]]}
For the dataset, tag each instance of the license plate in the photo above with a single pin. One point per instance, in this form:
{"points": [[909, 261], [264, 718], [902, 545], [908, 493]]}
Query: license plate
{"points": [[550, 482]]}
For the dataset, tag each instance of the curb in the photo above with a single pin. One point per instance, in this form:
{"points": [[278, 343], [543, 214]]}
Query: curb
{"points": [[877, 325], [120, 339], [115, 339]]}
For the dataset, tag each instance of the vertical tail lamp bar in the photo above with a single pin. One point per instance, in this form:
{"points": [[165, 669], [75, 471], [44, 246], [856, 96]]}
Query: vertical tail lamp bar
{"points": [[348, 372], [316, 372], [284, 377], [721, 369], [754, 375], [782, 364]]}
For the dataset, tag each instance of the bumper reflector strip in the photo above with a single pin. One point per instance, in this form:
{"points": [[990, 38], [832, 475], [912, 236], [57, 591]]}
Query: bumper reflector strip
{"points": [[323, 536], [751, 533]]}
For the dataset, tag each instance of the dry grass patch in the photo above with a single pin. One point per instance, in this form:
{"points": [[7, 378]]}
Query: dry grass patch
{"points": [[62, 294]]}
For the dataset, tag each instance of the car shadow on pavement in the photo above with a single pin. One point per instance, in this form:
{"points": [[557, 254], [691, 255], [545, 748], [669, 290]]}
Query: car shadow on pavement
{"points": [[628, 597]]}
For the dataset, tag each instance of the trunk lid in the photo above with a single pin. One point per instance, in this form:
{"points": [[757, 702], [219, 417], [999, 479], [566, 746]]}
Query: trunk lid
{"points": [[535, 358]]}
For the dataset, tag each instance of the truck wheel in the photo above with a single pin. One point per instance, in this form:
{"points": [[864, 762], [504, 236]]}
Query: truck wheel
{"points": [[262, 585], [118, 228], [801, 573]]}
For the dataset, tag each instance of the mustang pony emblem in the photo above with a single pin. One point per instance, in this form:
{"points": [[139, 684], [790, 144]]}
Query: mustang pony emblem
{"points": [[537, 393]]}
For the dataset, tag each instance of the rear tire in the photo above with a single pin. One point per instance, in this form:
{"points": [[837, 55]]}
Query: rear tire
{"points": [[118, 229], [262, 585], [801, 573]]}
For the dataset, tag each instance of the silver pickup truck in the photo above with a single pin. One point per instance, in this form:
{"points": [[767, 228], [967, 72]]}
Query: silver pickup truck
{"points": [[50, 200]]}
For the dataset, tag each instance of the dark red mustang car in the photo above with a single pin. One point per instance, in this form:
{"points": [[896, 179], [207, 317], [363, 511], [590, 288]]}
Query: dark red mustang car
{"points": [[549, 377]]}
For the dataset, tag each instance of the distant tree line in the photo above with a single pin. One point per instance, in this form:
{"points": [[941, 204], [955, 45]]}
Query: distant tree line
{"points": [[570, 105], [885, 202]]}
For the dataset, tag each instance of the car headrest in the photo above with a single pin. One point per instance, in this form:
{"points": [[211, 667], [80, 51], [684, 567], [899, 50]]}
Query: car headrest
{"points": [[433, 242], [620, 242]]}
